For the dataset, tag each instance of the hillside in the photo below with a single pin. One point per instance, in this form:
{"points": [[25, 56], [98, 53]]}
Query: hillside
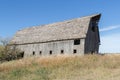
{"points": [[88, 67]]}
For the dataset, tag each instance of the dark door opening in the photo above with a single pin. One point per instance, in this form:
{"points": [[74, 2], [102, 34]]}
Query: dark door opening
{"points": [[22, 54]]}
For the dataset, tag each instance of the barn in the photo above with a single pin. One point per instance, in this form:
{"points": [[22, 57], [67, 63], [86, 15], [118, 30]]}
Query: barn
{"points": [[76, 36]]}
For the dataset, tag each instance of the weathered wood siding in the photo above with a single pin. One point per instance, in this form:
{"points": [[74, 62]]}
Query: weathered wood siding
{"points": [[92, 40], [56, 47]]}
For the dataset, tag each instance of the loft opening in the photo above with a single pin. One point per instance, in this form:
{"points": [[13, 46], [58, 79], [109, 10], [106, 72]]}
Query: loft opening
{"points": [[93, 28], [77, 42], [94, 24]]}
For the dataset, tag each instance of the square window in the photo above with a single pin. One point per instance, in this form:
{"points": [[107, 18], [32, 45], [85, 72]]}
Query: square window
{"points": [[74, 51], [76, 41]]}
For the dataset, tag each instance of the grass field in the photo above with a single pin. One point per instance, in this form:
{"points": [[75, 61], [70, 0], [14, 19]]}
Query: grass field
{"points": [[88, 67]]}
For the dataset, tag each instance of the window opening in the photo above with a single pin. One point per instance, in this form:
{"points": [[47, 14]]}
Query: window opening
{"points": [[74, 51], [22, 54], [33, 52], [62, 51], [94, 24], [50, 52], [93, 28], [40, 52], [76, 41]]}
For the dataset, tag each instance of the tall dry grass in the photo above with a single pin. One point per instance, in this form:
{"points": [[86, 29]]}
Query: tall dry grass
{"points": [[88, 67]]}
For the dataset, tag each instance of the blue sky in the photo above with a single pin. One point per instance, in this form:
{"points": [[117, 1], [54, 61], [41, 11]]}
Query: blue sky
{"points": [[19, 14]]}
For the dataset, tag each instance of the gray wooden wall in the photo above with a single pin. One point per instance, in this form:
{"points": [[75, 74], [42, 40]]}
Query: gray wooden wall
{"points": [[56, 47]]}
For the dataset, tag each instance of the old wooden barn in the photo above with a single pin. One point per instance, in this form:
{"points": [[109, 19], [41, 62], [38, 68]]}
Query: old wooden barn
{"points": [[76, 36]]}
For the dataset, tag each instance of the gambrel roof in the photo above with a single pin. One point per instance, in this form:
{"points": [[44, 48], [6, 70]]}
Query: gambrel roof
{"points": [[70, 29]]}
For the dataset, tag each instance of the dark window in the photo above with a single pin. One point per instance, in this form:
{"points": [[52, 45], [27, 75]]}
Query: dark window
{"points": [[22, 54], [40, 52], [62, 51], [33, 52], [74, 51], [50, 52], [93, 28], [76, 41], [94, 24], [92, 52]]}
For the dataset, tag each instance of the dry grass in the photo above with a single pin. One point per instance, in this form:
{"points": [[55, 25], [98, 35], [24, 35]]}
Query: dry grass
{"points": [[88, 67]]}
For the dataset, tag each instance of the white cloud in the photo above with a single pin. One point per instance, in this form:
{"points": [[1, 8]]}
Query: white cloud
{"points": [[110, 28], [110, 43]]}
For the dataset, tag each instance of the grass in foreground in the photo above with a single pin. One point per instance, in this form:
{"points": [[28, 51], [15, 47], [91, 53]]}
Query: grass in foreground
{"points": [[88, 67]]}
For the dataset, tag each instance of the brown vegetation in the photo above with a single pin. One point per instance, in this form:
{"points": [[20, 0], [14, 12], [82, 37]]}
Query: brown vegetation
{"points": [[7, 52], [88, 67]]}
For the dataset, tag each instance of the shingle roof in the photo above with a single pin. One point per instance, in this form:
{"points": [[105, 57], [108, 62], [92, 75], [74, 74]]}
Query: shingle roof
{"points": [[70, 29]]}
